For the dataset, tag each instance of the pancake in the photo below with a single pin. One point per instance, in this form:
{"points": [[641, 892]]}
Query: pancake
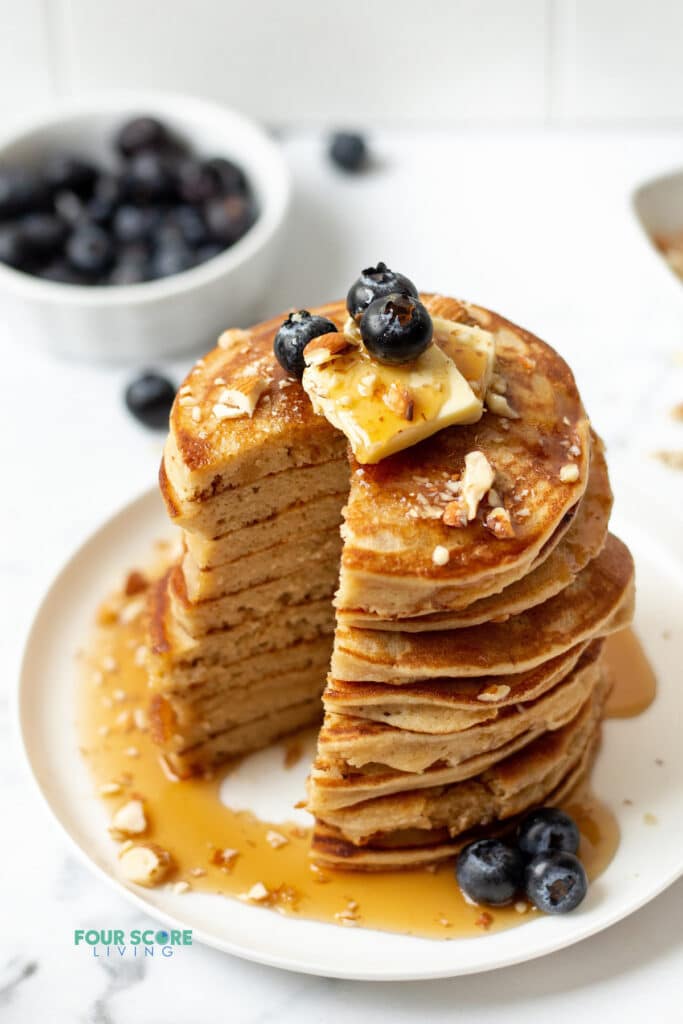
{"points": [[584, 539], [422, 827], [596, 604]]}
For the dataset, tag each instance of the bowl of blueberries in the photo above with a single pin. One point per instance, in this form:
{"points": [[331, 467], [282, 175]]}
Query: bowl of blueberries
{"points": [[136, 226]]}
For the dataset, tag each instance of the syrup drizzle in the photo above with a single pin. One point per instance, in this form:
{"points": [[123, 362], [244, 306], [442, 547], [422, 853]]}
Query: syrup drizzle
{"points": [[188, 819]]}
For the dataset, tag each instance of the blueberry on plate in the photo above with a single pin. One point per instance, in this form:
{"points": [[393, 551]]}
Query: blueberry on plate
{"points": [[90, 250], [228, 218], [65, 171], [140, 134], [372, 284], [349, 151], [488, 871], [556, 882], [547, 828], [149, 398], [396, 329], [44, 234], [293, 337]]}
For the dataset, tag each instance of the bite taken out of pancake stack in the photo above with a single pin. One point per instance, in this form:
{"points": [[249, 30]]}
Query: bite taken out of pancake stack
{"points": [[473, 582]]}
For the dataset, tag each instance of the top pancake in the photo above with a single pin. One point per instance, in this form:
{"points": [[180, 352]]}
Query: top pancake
{"points": [[393, 516]]}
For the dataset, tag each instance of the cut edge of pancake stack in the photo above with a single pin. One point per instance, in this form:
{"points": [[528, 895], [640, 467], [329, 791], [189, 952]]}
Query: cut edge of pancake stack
{"points": [[466, 682], [241, 626]]}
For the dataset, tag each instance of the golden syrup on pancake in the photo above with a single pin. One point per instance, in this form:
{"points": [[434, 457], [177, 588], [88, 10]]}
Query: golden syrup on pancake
{"points": [[635, 683], [187, 819]]}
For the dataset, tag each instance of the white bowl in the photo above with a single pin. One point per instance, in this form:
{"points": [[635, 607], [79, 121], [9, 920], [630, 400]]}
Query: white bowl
{"points": [[658, 205], [176, 314]]}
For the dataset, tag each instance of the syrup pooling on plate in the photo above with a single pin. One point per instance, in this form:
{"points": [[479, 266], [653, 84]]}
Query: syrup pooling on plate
{"points": [[232, 853]]}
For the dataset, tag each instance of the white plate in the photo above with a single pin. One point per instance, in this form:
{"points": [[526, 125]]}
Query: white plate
{"points": [[649, 858]]}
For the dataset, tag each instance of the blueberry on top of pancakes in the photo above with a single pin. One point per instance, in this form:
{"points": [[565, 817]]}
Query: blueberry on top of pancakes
{"points": [[373, 283], [396, 328], [294, 335]]}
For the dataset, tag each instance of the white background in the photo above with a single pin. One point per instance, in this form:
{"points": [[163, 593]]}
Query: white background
{"points": [[514, 133]]}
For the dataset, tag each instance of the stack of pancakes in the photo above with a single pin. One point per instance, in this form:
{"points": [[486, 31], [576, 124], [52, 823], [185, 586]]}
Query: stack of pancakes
{"points": [[466, 681], [241, 627]]}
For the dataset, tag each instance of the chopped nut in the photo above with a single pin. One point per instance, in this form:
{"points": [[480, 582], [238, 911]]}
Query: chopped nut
{"points": [[569, 473], [186, 389], [276, 839], [499, 523], [186, 400], [326, 347], [140, 656], [140, 719], [476, 481], [485, 920], [521, 906], [499, 405], [493, 693], [146, 864], [196, 414], [129, 820], [494, 499], [258, 893], [399, 400], [131, 611], [240, 399], [109, 789], [197, 872], [224, 859], [181, 887], [440, 555], [455, 514], [233, 338]]}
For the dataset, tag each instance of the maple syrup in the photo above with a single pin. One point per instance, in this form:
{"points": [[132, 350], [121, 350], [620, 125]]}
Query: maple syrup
{"points": [[634, 681], [189, 820]]}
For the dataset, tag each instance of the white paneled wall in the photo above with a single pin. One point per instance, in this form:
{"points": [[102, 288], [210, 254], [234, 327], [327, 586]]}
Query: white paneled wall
{"points": [[438, 62]]}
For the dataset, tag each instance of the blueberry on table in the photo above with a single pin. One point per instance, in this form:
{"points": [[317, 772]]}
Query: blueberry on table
{"points": [[21, 191], [490, 872], [556, 882], [372, 284], [228, 218], [66, 171], [293, 337], [547, 828], [396, 329], [44, 234], [13, 249], [149, 398], [90, 250], [140, 134], [348, 151]]}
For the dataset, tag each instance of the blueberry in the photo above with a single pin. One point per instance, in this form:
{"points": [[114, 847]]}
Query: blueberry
{"points": [[61, 272], [171, 257], [13, 249], [547, 828], [293, 337], [149, 177], [198, 181], [231, 177], [490, 872], [190, 224], [372, 284], [229, 218], [140, 134], [63, 171], [107, 196], [396, 329], [44, 234], [208, 251], [21, 191], [556, 882], [90, 250], [134, 223], [69, 206], [149, 398], [132, 265], [348, 150]]}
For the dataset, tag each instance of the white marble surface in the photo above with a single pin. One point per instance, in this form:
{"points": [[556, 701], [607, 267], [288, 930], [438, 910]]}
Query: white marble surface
{"points": [[538, 227]]}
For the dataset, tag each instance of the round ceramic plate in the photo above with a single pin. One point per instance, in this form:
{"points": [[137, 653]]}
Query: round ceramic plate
{"points": [[641, 762]]}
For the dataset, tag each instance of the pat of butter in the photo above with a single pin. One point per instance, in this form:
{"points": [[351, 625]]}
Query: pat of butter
{"points": [[383, 409]]}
